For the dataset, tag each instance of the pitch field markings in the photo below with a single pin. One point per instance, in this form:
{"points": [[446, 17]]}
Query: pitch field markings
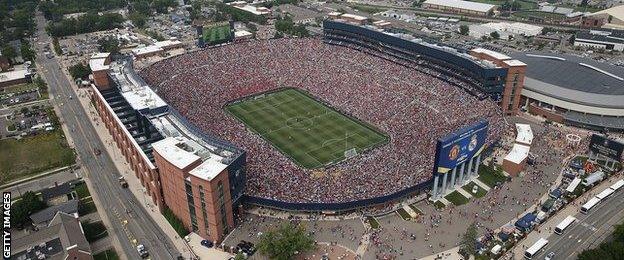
{"points": [[304, 129]]}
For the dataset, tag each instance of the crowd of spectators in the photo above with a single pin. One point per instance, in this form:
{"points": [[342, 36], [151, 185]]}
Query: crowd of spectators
{"points": [[413, 108]]}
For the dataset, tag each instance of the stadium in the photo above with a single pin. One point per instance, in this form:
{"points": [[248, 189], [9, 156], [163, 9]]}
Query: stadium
{"points": [[574, 90], [337, 123]]}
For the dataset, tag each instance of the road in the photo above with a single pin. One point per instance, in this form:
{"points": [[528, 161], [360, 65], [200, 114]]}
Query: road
{"points": [[588, 231], [129, 221]]}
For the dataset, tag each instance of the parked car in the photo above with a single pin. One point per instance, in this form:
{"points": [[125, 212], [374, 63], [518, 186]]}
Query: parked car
{"points": [[207, 243]]}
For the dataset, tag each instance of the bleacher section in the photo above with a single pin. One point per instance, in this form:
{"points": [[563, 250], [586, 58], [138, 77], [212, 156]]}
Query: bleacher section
{"points": [[476, 77]]}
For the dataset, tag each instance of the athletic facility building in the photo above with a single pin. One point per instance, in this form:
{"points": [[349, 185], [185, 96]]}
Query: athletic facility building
{"points": [[460, 7], [198, 177], [574, 90]]}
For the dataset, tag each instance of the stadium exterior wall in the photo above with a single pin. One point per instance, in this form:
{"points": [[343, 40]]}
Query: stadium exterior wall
{"points": [[338, 207]]}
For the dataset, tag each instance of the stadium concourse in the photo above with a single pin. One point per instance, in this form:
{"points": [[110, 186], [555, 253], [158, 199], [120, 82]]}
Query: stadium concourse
{"points": [[413, 108]]}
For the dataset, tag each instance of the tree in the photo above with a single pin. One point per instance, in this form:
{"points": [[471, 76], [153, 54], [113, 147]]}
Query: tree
{"points": [[285, 241], [464, 29], [79, 71], [23, 208], [468, 244], [495, 35], [138, 19], [108, 44], [239, 256], [27, 52], [8, 52]]}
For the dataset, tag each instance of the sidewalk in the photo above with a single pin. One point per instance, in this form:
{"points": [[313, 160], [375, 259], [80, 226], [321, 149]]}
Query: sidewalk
{"points": [[134, 184]]}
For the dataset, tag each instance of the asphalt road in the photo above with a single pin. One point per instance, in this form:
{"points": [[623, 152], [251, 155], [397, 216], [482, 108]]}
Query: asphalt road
{"points": [[588, 231], [119, 204]]}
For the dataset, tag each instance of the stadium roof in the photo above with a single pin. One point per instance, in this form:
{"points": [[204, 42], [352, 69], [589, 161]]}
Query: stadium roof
{"points": [[612, 37], [574, 79], [466, 5]]}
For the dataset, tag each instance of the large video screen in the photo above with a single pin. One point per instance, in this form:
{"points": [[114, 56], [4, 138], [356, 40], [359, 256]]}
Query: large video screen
{"points": [[460, 146], [610, 148]]}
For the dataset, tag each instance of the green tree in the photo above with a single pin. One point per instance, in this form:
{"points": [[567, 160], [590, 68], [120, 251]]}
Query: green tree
{"points": [[285, 241], [8, 52], [79, 71], [109, 44], [239, 256], [468, 244], [27, 51], [495, 35], [464, 29], [138, 19], [23, 208]]}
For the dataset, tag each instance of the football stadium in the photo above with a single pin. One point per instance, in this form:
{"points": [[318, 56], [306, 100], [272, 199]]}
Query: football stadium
{"points": [[333, 123]]}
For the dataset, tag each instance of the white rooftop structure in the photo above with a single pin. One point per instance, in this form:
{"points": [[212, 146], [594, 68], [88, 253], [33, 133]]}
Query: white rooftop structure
{"points": [[138, 94], [146, 50], [168, 44], [209, 169], [354, 17], [171, 149], [241, 33], [13, 75], [466, 5], [518, 153], [573, 185], [496, 55], [524, 134], [98, 60], [242, 5], [514, 63]]}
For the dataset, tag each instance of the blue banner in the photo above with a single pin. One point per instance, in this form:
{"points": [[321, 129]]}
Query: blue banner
{"points": [[460, 146]]}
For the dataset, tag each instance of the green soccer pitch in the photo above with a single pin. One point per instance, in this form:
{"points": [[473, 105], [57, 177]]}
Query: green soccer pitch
{"points": [[309, 132]]}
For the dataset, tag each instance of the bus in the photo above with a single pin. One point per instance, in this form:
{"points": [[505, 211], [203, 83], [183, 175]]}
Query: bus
{"points": [[605, 193], [564, 224], [616, 186], [589, 205], [541, 243]]}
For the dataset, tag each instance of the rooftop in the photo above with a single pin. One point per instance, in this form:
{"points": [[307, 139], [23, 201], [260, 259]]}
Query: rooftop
{"points": [[524, 134], [209, 169], [176, 152], [576, 79], [493, 54], [13, 75], [518, 153], [467, 5], [146, 50]]}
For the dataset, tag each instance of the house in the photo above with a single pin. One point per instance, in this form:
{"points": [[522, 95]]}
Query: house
{"points": [[57, 194], [63, 238], [43, 218]]}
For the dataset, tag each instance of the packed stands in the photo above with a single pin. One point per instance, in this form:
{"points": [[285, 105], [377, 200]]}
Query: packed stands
{"points": [[413, 108]]}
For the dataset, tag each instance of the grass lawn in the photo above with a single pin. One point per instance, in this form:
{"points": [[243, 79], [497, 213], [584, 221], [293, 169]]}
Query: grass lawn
{"points": [[456, 198], [32, 155], [82, 190], [404, 215], [415, 209], [302, 128], [490, 176], [480, 191], [217, 34], [86, 206], [109, 254], [94, 231], [372, 221], [438, 204], [19, 88]]}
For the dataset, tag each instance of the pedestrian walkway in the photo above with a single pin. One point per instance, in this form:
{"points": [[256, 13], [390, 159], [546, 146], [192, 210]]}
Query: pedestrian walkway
{"points": [[481, 184], [410, 211], [464, 192], [363, 246]]}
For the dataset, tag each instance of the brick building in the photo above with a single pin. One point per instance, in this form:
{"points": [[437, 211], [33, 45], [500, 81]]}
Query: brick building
{"points": [[200, 178], [514, 81]]}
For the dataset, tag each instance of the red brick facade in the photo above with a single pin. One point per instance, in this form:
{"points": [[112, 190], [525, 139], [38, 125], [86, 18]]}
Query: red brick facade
{"points": [[140, 165]]}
